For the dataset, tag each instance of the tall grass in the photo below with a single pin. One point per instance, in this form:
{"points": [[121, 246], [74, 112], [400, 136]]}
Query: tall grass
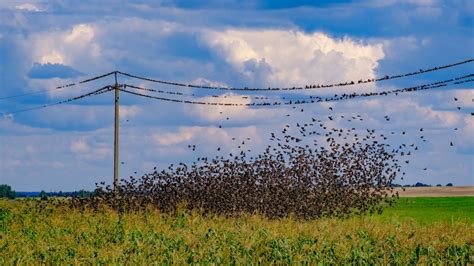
{"points": [[58, 235]]}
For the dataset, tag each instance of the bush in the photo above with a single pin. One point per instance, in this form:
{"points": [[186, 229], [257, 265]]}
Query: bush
{"points": [[419, 184], [43, 195], [7, 192], [449, 184]]}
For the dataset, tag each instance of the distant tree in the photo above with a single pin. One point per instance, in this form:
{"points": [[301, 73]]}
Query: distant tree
{"points": [[449, 184], [439, 185], [7, 192], [419, 184], [43, 195]]}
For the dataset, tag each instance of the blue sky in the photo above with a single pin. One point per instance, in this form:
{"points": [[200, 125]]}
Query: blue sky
{"points": [[44, 44]]}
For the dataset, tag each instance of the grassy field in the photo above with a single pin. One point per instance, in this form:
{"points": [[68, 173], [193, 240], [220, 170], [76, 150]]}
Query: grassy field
{"points": [[431, 209], [416, 230]]}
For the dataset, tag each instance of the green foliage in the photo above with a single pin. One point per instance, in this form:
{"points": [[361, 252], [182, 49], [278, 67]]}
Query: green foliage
{"points": [[84, 193], [47, 234], [7, 192], [43, 195]]}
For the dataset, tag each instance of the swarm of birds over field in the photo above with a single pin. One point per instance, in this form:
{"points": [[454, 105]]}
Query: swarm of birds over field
{"points": [[310, 170]]}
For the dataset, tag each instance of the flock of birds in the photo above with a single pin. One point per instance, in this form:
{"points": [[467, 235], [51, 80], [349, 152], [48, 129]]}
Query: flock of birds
{"points": [[311, 169], [327, 177]]}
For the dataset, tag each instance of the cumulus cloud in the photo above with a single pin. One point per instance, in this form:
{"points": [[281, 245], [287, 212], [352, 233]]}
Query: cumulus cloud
{"points": [[282, 57], [69, 47]]}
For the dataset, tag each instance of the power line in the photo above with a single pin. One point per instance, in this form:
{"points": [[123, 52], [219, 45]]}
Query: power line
{"points": [[194, 95], [317, 99], [58, 88], [312, 99], [93, 93], [360, 81], [318, 86], [234, 96]]}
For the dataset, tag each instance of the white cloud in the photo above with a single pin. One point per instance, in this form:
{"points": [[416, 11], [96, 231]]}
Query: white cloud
{"points": [[80, 34], [79, 146], [207, 82], [129, 111], [282, 57], [90, 152], [237, 113], [74, 47], [216, 113], [270, 57], [167, 139], [206, 136], [416, 113], [464, 97], [185, 134], [28, 7], [405, 112], [465, 136]]}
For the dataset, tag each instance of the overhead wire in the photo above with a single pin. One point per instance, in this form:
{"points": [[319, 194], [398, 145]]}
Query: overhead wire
{"points": [[194, 95], [311, 99], [316, 99], [360, 81], [92, 93], [58, 88], [306, 87], [231, 96]]}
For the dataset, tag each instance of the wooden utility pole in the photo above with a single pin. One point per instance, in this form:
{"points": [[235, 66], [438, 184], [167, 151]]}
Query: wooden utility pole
{"points": [[116, 136]]}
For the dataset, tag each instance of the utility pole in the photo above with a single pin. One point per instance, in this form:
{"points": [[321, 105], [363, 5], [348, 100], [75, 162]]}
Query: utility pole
{"points": [[116, 136]]}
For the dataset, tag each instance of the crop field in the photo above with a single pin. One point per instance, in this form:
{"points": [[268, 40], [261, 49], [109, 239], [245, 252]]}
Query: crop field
{"points": [[414, 231], [458, 191]]}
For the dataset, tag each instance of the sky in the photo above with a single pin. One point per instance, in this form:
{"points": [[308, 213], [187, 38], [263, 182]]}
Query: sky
{"points": [[259, 43]]}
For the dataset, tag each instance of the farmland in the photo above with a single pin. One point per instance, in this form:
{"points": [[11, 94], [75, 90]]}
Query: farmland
{"points": [[415, 230]]}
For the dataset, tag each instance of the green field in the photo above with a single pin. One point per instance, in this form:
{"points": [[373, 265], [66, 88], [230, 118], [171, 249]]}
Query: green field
{"points": [[416, 230], [430, 210]]}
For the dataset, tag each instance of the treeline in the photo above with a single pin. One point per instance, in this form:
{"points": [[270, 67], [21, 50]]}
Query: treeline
{"points": [[80, 193], [7, 192], [419, 184]]}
